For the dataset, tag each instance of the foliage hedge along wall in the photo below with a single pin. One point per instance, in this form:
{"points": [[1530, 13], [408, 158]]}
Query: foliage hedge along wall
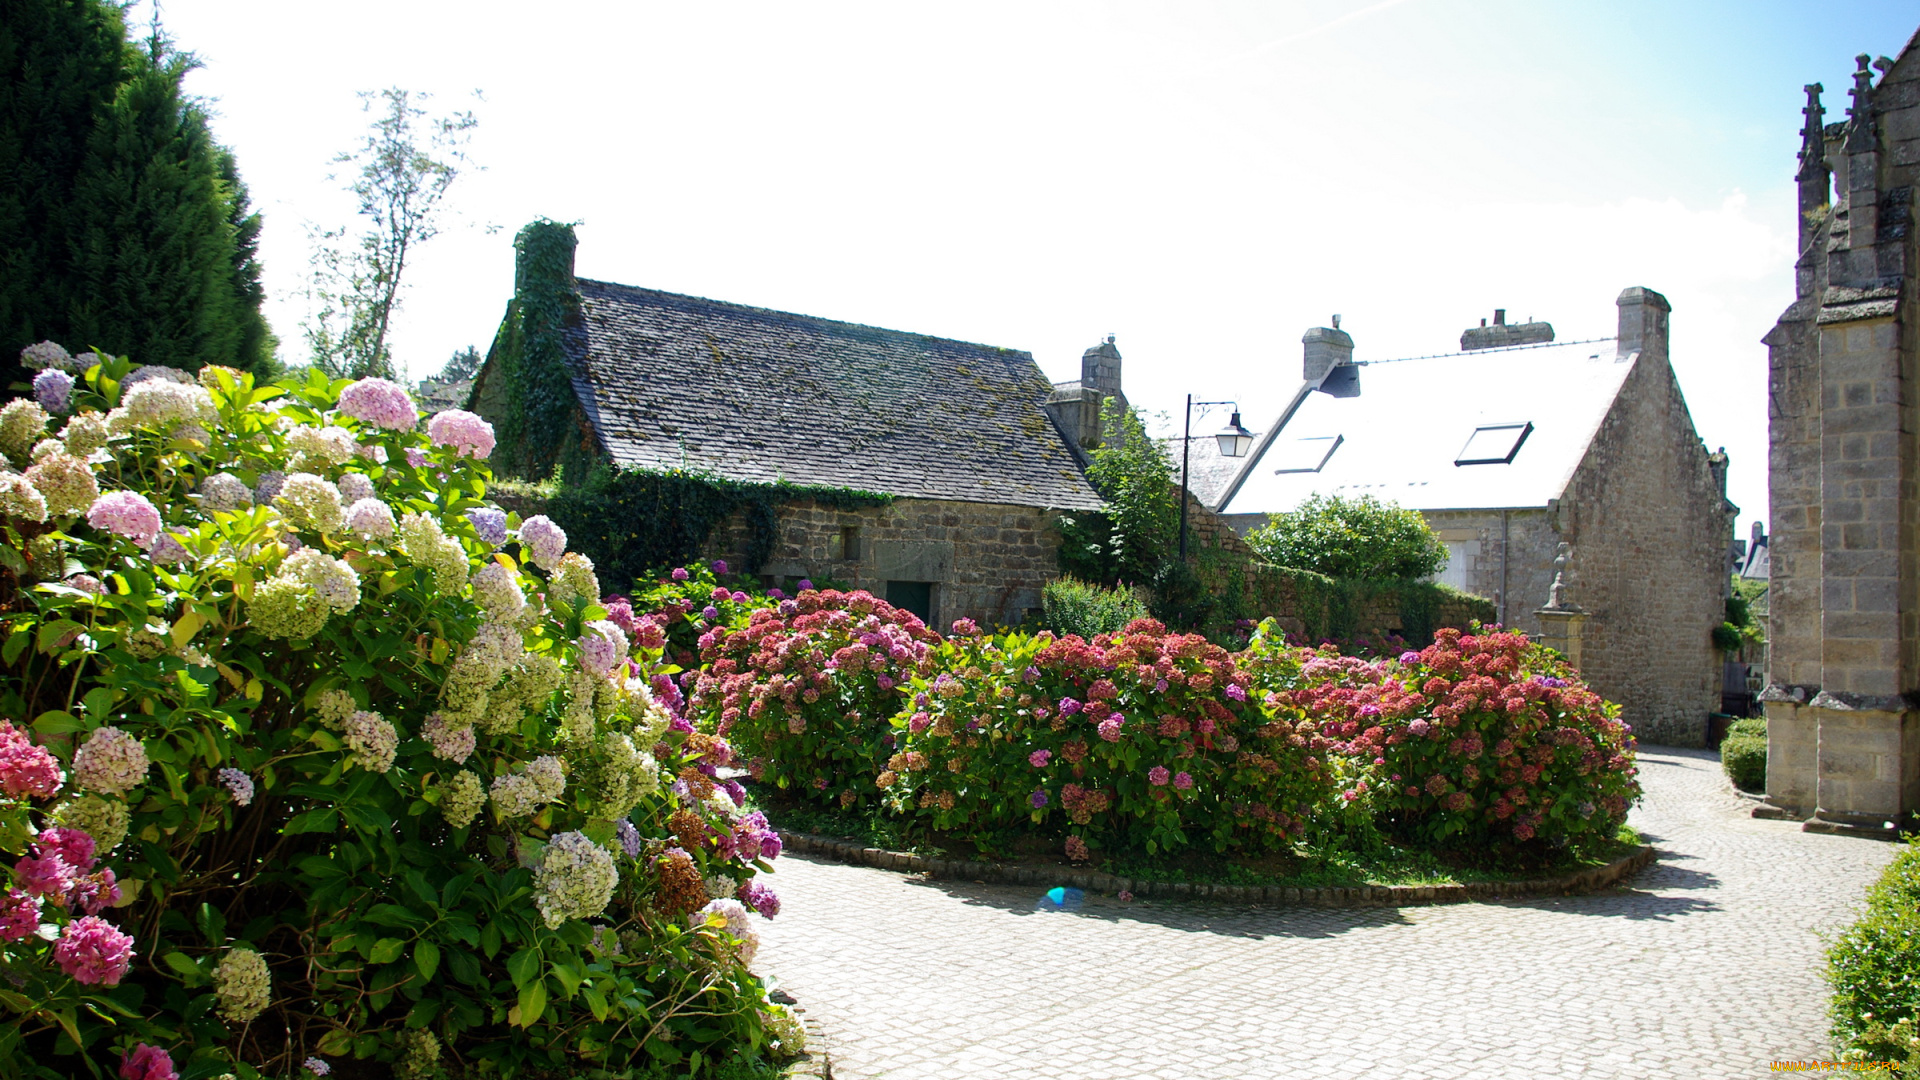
{"points": [[1146, 739], [309, 754]]}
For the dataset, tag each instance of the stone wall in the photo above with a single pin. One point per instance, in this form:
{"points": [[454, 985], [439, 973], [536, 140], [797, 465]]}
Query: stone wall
{"points": [[1650, 533], [1509, 558], [985, 561]]}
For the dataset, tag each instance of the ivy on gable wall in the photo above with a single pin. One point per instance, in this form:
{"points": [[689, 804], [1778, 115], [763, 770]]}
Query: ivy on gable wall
{"points": [[530, 398], [635, 522]]}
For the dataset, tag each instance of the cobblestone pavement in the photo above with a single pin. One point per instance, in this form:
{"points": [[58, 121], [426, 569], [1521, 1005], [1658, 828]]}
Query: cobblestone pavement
{"points": [[1704, 965]]}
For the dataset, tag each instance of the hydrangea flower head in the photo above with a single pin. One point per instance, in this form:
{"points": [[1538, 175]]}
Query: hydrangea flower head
{"points": [[1158, 776], [575, 879], [317, 1067], [126, 513], [168, 551], [489, 524], [48, 354], [105, 820], [1038, 759], [66, 482], [111, 762], [26, 769], [467, 434], [20, 499], [354, 487], [370, 741], [602, 646], [380, 402], [309, 502], [147, 1062], [53, 389], [730, 916], [242, 984], [720, 566], [680, 573], [545, 541], [238, 784], [761, 899], [1183, 781], [370, 518], [22, 423], [19, 915], [462, 799], [449, 743], [92, 952]]}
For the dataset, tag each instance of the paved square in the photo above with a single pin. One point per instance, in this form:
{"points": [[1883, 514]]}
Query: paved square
{"points": [[1705, 965]]}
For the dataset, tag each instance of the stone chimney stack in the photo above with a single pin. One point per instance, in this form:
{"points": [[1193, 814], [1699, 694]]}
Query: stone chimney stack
{"points": [[1503, 333], [1643, 322], [1326, 348], [1100, 369]]}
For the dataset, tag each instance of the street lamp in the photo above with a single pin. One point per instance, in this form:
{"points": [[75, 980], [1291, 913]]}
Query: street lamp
{"points": [[1235, 442]]}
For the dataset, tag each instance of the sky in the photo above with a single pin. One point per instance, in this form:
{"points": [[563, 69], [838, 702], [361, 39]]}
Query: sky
{"points": [[1203, 180]]}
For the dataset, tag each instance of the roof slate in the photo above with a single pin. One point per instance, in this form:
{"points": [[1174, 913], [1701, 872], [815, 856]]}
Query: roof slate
{"points": [[671, 381]]}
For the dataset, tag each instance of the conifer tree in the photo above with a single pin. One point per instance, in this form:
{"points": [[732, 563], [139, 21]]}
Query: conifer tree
{"points": [[136, 235]]}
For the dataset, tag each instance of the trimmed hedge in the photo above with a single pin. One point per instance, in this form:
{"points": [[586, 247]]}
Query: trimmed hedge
{"points": [[1874, 970], [1744, 757]]}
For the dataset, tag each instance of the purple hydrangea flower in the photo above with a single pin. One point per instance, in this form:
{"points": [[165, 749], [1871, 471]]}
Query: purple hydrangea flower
{"points": [[53, 388], [760, 898], [629, 838], [467, 434], [680, 573], [710, 612], [1038, 798], [719, 566], [239, 783], [1158, 776], [416, 457], [805, 585], [489, 524], [1410, 657]]}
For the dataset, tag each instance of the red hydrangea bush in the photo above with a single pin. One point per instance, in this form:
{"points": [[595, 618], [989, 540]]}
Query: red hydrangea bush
{"points": [[308, 753], [805, 689], [1481, 741], [1140, 739]]}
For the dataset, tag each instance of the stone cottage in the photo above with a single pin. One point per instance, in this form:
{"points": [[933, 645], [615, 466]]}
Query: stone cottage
{"points": [[958, 433], [1843, 694], [1529, 457]]}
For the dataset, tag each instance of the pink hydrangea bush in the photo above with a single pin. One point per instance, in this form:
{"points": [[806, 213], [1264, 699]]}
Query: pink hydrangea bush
{"points": [[805, 689], [334, 740], [1482, 741], [1141, 739]]}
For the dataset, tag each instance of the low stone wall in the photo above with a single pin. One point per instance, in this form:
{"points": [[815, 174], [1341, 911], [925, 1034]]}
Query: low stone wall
{"points": [[1598, 877]]}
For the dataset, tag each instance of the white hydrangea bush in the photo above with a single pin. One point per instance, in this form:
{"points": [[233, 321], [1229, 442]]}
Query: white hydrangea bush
{"points": [[309, 752]]}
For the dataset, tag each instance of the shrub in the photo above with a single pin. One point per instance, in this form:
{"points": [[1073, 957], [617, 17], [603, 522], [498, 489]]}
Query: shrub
{"points": [[1351, 538], [1874, 969], [1744, 757], [1141, 739], [805, 690], [1070, 606], [1485, 741], [1139, 530], [293, 778]]}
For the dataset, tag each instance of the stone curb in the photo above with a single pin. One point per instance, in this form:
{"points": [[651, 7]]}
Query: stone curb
{"points": [[1598, 877], [817, 1062]]}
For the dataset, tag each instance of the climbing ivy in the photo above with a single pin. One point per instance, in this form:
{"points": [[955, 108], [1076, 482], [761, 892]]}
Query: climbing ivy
{"points": [[536, 400], [631, 522]]}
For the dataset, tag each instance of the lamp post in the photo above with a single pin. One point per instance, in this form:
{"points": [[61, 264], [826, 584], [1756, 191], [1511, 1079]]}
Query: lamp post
{"points": [[1235, 441]]}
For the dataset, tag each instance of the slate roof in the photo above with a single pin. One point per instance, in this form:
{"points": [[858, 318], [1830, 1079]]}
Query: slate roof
{"points": [[750, 394], [1399, 437]]}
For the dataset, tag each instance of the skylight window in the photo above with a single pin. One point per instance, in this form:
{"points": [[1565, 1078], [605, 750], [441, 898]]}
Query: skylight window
{"points": [[1304, 455], [1494, 444]]}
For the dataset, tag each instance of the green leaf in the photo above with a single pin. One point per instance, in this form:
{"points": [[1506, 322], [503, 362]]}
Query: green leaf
{"points": [[336, 1043], [386, 950], [596, 1000], [54, 631], [392, 915], [55, 722], [569, 978], [427, 956], [320, 819], [423, 1012], [183, 964], [523, 966], [533, 1002], [212, 924]]}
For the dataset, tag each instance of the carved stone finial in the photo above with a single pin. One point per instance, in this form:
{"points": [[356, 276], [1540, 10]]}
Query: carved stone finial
{"points": [[1557, 595], [1860, 113], [1813, 143]]}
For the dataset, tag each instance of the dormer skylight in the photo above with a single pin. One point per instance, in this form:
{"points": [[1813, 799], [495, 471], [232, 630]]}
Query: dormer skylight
{"points": [[1304, 455], [1494, 444]]}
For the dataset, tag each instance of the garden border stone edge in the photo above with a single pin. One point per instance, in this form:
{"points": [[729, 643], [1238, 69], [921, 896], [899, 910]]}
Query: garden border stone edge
{"points": [[1588, 880]]}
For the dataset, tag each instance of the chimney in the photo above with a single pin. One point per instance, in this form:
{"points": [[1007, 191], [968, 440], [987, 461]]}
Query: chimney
{"points": [[1326, 348], [1643, 322], [543, 256], [1100, 369], [1759, 535], [1503, 333]]}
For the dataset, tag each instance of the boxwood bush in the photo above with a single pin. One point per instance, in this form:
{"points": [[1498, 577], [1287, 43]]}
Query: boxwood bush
{"points": [[1874, 969], [1743, 754], [310, 754]]}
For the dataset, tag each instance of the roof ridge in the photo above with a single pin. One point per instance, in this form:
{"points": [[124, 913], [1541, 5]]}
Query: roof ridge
{"points": [[1490, 349], [756, 309]]}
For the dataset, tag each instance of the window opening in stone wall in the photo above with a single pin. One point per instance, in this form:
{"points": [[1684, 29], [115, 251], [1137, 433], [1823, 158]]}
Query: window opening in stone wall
{"points": [[1305, 455], [914, 596], [850, 541], [1494, 444]]}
